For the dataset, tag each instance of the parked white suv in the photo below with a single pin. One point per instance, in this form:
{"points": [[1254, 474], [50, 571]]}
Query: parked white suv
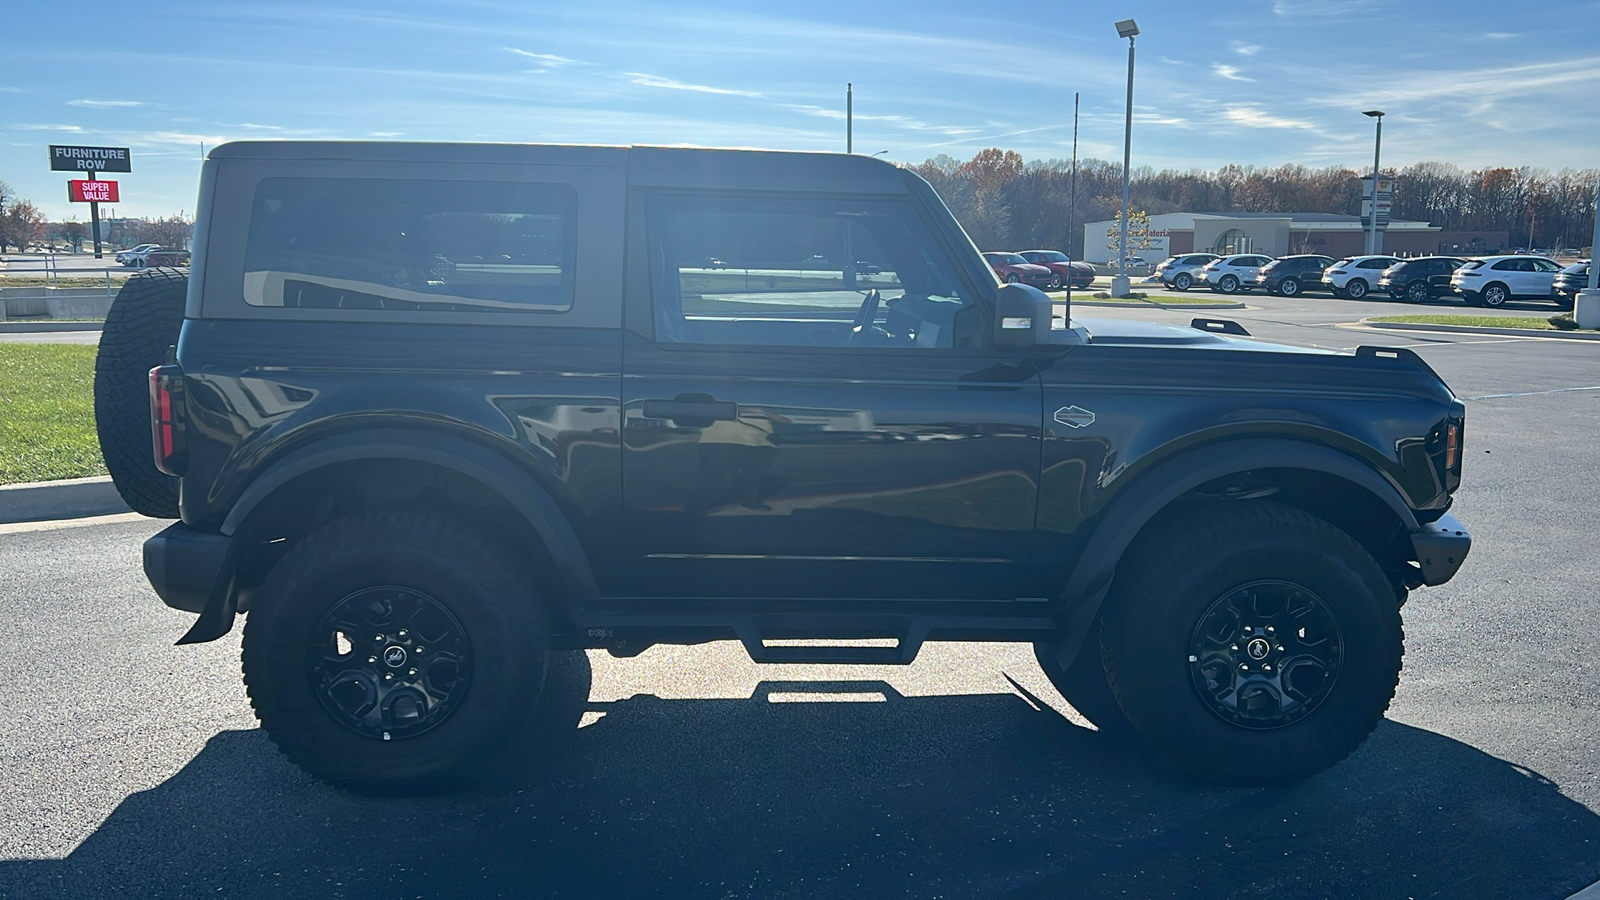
{"points": [[1183, 272], [1231, 274], [1355, 276], [1492, 280]]}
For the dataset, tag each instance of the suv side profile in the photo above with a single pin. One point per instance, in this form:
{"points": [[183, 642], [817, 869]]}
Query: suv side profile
{"points": [[1492, 280], [1288, 276], [1354, 276], [1421, 279], [427, 430], [1183, 272], [1234, 274]]}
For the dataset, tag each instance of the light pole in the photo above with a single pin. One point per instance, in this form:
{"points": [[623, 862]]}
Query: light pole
{"points": [[1377, 148], [849, 118], [1119, 285]]}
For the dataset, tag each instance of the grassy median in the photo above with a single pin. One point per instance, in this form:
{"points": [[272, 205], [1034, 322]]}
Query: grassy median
{"points": [[1533, 323], [47, 413]]}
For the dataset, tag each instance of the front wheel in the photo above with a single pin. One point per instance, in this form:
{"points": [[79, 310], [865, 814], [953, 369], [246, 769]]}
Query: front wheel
{"points": [[1251, 642], [1356, 289], [394, 652], [1055, 281], [1183, 281], [1012, 278]]}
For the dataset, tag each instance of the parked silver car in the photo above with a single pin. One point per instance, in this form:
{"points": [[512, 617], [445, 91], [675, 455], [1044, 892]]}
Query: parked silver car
{"points": [[1183, 272]]}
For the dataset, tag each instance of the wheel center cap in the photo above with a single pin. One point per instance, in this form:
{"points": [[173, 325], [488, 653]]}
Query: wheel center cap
{"points": [[394, 656], [1258, 648]]}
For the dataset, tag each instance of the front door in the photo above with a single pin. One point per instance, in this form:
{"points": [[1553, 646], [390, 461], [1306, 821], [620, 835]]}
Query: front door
{"points": [[818, 431]]}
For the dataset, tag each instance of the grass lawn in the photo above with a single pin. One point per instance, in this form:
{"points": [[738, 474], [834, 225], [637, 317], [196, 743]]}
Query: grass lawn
{"points": [[1534, 323], [47, 413]]}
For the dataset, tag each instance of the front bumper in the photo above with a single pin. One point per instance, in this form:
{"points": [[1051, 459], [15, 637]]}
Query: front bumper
{"points": [[1441, 547], [183, 563]]}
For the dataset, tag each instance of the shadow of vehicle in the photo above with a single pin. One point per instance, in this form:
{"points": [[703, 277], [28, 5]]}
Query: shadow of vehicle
{"points": [[839, 789]]}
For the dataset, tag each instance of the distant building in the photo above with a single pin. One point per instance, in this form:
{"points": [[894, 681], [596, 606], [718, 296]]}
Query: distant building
{"points": [[1282, 234]]}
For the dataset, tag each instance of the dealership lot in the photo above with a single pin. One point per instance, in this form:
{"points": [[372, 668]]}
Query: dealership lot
{"points": [[134, 768]]}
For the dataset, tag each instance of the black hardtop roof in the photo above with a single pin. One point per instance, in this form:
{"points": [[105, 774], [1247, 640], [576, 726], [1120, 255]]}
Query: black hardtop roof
{"points": [[647, 166]]}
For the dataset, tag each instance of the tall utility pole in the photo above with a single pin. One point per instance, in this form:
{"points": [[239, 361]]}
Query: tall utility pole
{"points": [[1119, 285], [849, 118], [1072, 199], [1377, 148]]}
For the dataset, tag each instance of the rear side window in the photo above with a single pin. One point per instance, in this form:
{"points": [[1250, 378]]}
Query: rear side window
{"points": [[411, 245]]}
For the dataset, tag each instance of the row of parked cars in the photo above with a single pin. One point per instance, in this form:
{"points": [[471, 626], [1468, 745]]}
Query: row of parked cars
{"points": [[1048, 269], [1481, 281]]}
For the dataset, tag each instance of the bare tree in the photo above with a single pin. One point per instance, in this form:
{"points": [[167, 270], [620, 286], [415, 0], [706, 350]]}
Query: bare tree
{"points": [[173, 232]]}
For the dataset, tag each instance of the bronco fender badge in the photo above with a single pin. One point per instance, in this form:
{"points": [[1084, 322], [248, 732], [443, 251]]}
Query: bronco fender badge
{"points": [[1074, 416]]}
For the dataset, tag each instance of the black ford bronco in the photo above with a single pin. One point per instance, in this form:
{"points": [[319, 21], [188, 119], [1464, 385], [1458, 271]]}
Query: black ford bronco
{"points": [[429, 412]]}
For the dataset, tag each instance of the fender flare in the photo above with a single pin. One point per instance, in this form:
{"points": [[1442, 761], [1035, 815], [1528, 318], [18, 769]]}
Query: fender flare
{"points": [[1151, 492], [573, 573]]}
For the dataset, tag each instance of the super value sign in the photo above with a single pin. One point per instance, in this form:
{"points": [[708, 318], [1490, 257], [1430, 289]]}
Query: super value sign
{"points": [[92, 191]]}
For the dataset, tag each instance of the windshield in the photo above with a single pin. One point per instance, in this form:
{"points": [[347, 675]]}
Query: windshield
{"points": [[1051, 256], [1010, 259]]}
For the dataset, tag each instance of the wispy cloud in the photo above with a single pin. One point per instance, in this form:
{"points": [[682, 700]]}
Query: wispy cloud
{"points": [[1244, 49], [672, 84], [1250, 117], [1499, 35], [254, 127], [1320, 8], [99, 104], [75, 129], [1229, 72], [548, 59], [906, 122]]}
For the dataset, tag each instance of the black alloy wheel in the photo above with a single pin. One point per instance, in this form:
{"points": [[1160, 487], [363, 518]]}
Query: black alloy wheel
{"points": [[1417, 292], [1252, 642], [1182, 281], [1495, 294], [395, 652], [1289, 287], [1265, 654], [1356, 288]]}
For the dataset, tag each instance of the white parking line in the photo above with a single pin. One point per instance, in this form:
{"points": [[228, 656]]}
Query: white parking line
{"points": [[1534, 393]]}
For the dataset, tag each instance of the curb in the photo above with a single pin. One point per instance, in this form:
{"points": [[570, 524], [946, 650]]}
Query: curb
{"points": [[26, 327], [1474, 329], [72, 498]]}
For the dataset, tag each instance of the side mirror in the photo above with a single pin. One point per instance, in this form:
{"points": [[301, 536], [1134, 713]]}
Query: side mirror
{"points": [[1022, 317]]}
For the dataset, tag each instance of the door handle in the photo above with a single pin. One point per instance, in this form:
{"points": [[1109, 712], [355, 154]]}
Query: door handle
{"points": [[692, 410]]}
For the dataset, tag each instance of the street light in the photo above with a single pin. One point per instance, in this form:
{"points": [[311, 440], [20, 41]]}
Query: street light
{"points": [[1372, 218], [1119, 285]]}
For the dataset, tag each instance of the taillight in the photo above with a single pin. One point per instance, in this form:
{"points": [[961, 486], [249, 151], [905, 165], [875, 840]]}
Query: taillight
{"points": [[166, 419]]}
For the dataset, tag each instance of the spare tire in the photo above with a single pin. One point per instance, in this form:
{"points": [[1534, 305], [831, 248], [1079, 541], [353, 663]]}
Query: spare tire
{"points": [[143, 322]]}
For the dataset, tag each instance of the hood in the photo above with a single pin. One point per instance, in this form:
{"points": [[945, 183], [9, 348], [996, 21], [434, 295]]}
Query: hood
{"points": [[1126, 332]]}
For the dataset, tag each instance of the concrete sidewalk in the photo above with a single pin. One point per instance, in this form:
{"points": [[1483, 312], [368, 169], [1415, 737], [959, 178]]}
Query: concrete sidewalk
{"points": [[70, 499]]}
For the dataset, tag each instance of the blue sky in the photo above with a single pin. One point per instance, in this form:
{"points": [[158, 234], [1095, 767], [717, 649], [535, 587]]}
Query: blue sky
{"points": [[1258, 82]]}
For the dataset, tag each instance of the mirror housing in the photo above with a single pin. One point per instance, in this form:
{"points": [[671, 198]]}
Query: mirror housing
{"points": [[1022, 317]]}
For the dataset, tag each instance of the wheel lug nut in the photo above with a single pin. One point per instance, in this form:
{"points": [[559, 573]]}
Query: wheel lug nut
{"points": [[1193, 658], [1271, 630], [425, 649], [1280, 648], [1243, 667], [372, 659], [402, 632], [1233, 646], [388, 676], [411, 671], [1266, 668]]}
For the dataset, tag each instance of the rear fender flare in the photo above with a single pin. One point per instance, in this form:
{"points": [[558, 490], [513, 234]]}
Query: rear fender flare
{"points": [[1137, 504]]}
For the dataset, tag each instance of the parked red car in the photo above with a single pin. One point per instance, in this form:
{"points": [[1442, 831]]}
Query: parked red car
{"points": [[1011, 267], [1077, 274]]}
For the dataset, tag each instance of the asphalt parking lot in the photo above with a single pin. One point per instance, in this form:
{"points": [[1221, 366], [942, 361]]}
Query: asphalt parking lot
{"points": [[134, 768]]}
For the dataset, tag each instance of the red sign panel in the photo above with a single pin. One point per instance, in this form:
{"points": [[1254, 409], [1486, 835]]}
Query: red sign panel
{"points": [[92, 191]]}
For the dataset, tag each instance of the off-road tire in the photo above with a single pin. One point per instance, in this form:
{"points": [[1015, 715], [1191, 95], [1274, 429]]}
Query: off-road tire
{"points": [[1084, 685], [143, 322], [1185, 567], [493, 601]]}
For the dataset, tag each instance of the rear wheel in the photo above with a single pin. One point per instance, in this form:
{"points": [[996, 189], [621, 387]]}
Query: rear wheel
{"points": [[394, 652], [143, 322], [1182, 281], [1356, 288], [1228, 284], [1495, 295], [1289, 287], [1251, 642], [1417, 292]]}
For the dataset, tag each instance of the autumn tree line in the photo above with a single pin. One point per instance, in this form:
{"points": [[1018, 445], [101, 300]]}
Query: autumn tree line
{"points": [[23, 225], [1007, 204]]}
